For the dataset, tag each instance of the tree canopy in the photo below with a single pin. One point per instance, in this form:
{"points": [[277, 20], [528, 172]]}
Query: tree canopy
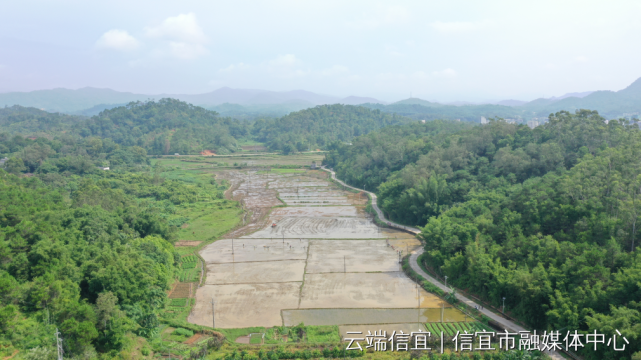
{"points": [[545, 217]]}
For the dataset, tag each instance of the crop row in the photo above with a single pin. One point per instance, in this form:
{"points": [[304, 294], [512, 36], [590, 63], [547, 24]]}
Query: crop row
{"points": [[450, 329], [187, 275]]}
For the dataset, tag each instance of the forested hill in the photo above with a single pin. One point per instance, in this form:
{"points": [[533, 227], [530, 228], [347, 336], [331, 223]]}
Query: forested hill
{"points": [[319, 126], [546, 218], [372, 158], [424, 110], [27, 120], [167, 126]]}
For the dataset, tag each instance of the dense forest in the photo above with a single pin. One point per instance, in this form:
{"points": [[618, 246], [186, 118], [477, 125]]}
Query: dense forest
{"points": [[90, 255], [27, 120], [167, 126], [170, 126], [66, 154], [546, 218], [320, 126], [424, 110]]}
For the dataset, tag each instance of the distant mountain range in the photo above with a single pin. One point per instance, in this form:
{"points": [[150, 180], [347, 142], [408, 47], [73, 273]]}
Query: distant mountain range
{"points": [[611, 104], [90, 101], [249, 103]]}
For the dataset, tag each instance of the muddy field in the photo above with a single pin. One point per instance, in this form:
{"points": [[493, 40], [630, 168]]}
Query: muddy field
{"points": [[318, 258], [369, 316]]}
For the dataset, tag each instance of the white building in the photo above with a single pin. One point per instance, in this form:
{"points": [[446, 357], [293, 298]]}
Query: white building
{"points": [[484, 120], [532, 124], [2, 161], [423, 121]]}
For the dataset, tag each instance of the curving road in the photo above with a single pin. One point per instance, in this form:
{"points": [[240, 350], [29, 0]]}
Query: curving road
{"points": [[505, 323]]}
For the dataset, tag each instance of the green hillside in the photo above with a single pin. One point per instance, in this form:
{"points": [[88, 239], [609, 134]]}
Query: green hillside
{"points": [[320, 126], [166, 126], [27, 120], [424, 110], [545, 217]]}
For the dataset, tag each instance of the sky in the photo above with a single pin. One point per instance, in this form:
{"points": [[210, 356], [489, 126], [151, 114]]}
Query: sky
{"points": [[436, 50]]}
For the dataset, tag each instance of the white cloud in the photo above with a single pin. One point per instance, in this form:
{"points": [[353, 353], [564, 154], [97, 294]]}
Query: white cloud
{"points": [[285, 60], [117, 40], [183, 28], [334, 70], [185, 38], [187, 51], [581, 59], [285, 66], [458, 26], [447, 73]]}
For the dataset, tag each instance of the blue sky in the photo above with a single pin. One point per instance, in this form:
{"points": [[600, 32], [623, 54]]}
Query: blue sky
{"points": [[437, 50]]}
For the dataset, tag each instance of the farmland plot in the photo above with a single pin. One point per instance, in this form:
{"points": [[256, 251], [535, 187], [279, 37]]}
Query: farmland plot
{"points": [[320, 260]]}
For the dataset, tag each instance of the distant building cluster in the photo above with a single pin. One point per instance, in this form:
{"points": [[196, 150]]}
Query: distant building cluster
{"points": [[2, 161], [531, 123]]}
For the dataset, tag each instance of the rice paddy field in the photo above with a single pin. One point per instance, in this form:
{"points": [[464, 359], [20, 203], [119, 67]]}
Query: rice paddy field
{"points": [[312, 255]]}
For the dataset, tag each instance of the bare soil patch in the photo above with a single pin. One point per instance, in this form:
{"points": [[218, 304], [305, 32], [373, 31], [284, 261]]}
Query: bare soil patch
{"points": [[187, 243], [181, 290], [194, 338]]}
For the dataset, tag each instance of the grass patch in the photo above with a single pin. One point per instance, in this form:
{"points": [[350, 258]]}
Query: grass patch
{"points": [[208, 219], [322, 334], [232, 334], [178, 302], [256, 339]]}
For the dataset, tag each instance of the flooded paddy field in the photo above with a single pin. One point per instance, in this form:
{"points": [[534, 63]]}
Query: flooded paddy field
{"points": [[321, 228], [255, 272], [244, 305], [314, 212], [317, 258], [353, 256], [366, 290]]}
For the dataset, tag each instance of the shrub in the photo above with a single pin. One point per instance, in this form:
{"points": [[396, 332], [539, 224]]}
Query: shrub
{"points": [[183, 332]]}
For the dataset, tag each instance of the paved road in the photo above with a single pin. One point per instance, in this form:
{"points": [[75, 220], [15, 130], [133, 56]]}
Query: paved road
{"points": [[505, 323], [410, 229]]}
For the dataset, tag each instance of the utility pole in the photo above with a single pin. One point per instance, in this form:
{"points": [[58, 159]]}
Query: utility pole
{"points": [[59, 344], [503, 304], [418, 308], [213, 313], [445, 280]]}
